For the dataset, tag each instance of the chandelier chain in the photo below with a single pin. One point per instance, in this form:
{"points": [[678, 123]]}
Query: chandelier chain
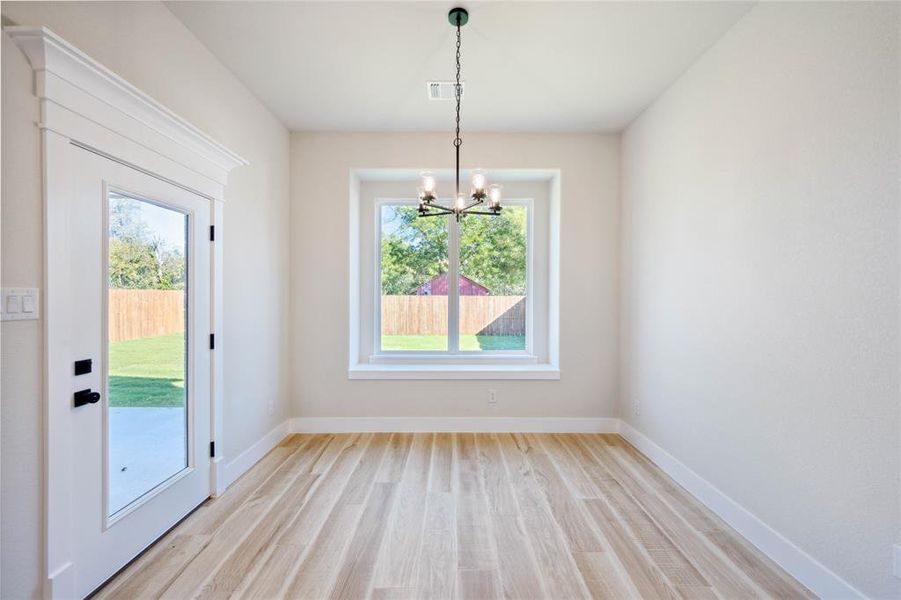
{"points": [[458, 90]]}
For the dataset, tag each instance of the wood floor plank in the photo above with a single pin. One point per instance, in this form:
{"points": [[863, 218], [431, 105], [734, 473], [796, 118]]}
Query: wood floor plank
{"points": [[437, 572], [305, 527], [399, 557], [643, 574], [211, 514], [335, 467], [392, 468], [556, 564], [363, 477], [302, 460], [566, 509], [475, 544], [411, 516], [495, 480], [195, 574], [239, 565], [643, 530], [529, 498], [267, 580], [393, 594], [478, 584], [765, 572], [247, 513], [467, 461], [319, 567], [321, 564], [603, 575], [572, 473], [440, 479], [687, 528], [158, 572], [546, 539], [516, 564], [354, 579]]}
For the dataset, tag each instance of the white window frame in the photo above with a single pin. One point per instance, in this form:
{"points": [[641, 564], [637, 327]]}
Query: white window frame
{"points": [[453, 354], [540, 361]]}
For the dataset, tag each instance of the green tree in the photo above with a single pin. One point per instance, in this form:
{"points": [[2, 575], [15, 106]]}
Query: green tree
{"points": [[415, 250], [136, 260], [493, 251]]}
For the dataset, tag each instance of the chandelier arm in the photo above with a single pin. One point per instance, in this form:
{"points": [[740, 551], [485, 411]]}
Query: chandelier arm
{"points": [[480, 212], [436, 214], [444, 209]]}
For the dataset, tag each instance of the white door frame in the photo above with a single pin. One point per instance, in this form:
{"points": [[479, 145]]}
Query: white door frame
{"points": [[85, 104]]}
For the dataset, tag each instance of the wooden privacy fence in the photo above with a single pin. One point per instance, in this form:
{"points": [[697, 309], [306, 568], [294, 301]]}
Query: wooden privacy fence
{"points": [[479, 315], [145, 313]]}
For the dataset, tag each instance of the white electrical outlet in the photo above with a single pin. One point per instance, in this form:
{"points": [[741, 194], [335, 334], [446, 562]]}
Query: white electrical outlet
{"points": [[896, 560], [20, 304], [492, 396], [637, 408], [271, 406]]}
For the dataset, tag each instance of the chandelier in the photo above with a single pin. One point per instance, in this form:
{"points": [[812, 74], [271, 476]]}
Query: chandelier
{"points": [[464, 204]]}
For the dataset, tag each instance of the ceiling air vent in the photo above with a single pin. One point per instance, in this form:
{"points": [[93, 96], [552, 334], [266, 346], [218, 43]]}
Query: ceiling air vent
{"points": [[443, 90]]}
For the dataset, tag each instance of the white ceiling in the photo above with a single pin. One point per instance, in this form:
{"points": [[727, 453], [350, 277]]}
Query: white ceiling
{"points": [[532, 66]]}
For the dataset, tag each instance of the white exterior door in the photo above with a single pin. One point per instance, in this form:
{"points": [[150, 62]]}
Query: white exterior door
{"points": [[138, 307]]}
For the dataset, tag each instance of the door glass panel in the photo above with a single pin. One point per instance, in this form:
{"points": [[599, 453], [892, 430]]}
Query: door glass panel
{"points": [[492, 283], [148, 426], [413, 272]]}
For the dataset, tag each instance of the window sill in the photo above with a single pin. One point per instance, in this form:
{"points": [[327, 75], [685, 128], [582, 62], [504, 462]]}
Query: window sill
{"points": [[442, 359], [453, 371]]}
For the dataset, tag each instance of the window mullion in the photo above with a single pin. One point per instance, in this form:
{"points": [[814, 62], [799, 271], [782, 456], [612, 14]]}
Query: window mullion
{"points": [[453, 286]]}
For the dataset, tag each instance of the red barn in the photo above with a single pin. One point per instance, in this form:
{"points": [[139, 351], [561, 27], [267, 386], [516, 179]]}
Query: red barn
{"points": [[438, 287]]}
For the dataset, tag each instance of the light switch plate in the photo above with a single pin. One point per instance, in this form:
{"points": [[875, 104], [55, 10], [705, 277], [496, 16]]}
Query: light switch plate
{"points": [[20, 304]]}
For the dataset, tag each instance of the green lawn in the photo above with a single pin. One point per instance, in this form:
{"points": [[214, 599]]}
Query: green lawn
{"points": [[467, 342], [148, 371]]}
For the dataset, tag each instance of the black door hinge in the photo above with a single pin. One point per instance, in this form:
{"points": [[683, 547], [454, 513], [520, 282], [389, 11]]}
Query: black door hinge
{"points": [[212, 449], [212, 341], [212, 233]]}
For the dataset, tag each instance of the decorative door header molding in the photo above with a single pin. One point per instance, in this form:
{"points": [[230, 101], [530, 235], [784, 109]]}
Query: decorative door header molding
{"points": [[70, 83]]}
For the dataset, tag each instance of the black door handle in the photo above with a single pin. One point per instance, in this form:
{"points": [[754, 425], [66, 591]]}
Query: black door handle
{"points": [[86, 397]]}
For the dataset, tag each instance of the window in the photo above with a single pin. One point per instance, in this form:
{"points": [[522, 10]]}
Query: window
{"points": [[430, 298], [420, 311]]}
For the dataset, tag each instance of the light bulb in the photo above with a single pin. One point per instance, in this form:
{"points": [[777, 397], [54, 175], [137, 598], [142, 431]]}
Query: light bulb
{"points": [[494, 195], [461, 201], [428, 183], [478, 180]]}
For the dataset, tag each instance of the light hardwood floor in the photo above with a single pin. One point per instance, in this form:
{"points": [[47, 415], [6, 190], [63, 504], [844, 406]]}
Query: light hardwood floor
{"points": [[421, 515]]}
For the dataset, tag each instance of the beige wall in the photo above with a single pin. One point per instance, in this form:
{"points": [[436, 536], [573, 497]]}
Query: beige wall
{"points": [[761, 277], [148, 46], [321, 164]]}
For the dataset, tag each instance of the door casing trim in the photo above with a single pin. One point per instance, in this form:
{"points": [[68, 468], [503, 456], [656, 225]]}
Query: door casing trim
{"points": [[85, 104]]}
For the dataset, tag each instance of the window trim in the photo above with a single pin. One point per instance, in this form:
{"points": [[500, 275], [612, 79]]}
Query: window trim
{"points": [[453, 355]]}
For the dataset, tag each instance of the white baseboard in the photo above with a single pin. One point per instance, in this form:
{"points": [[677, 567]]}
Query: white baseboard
{"points": [[241, 463], [60, 583], [217, 475], [800, 565], [455, 424]]}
